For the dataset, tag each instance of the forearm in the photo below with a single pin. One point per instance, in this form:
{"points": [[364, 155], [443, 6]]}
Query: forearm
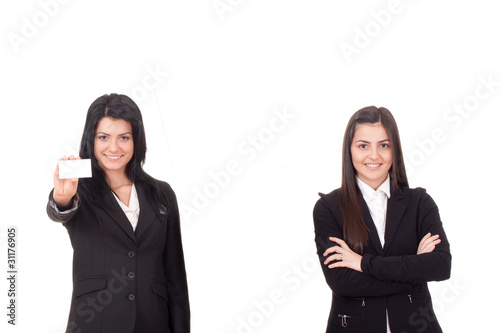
{"points": [[434, 266], [350, 283], [415, 268], [62, 214]]}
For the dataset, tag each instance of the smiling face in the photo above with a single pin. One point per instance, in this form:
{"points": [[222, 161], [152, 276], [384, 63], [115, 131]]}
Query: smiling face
{"points": [[113, 144], [371, 153]]}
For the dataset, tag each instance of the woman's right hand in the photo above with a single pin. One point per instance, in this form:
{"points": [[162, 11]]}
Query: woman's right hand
{"points": [[64, 189], [428, 243]]}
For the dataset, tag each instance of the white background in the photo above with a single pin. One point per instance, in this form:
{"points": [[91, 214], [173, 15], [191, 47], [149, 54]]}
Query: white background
{"points": [[221, 77]]}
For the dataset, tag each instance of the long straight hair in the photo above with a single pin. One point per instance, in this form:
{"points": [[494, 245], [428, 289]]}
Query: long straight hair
{"points": [[350, 199], [118, 107]]}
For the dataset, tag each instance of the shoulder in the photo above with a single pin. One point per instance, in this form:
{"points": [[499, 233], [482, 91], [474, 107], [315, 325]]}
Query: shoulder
{"points": [[417, 192], [156, 190], [416, 196], [153, 182], [162, 190], [331, 196], [167, 188], [328, 200]]}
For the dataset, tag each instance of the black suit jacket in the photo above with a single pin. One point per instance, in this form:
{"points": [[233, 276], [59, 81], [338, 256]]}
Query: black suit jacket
{"points": [[393, 277], [126, 281]]}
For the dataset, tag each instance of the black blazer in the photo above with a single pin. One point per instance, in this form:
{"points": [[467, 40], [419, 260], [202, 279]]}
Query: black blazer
{"points": [[126, 281], [393, 277]]}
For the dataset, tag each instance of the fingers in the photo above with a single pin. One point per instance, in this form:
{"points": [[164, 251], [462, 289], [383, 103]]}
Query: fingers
{"points": [[431, 246], [337, 254], [432, 238], [340, 242], [72, 181], [70, 157], [335, 257], [428, 243], [61, 185], [431, 241], [426, 237], [337, 264], [66, 158], [331, 250]]}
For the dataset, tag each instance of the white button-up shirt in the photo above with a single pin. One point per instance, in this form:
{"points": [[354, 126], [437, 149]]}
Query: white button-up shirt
{"points": [[377, 204], [132, 210], [376, 200]]}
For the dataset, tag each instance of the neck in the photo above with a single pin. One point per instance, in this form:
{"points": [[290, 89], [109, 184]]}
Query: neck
{"points": [[116, 179]]}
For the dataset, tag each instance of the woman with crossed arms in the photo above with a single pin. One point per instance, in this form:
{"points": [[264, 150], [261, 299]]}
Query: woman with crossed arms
{"points": [[379, 242]]}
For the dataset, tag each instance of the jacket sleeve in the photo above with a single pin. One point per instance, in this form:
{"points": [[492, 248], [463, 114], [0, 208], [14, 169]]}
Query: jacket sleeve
{"points": [[345, 281], [175, 271], [64, 216], [433, 266]]}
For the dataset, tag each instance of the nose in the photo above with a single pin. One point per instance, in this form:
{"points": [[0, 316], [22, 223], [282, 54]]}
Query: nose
{"points": [[373, 153], [113, 146]]}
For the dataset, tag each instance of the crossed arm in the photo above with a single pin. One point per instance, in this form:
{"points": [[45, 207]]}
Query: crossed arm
{"points": [[372, 275], [341, 255]]}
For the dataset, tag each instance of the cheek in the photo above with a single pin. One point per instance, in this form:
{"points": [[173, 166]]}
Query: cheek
{"points": [[129, 147], [388, 161], [357, 162], [97, 148], [356, 158], [388, 157]]}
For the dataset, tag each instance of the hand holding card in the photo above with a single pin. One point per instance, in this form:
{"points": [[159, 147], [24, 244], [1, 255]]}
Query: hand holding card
{"points": [[66, 175]]}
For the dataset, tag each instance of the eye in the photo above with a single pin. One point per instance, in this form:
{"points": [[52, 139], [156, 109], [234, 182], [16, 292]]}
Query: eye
{"points": [[102, 137], [385, 145], [124, 138], [363, 146]]}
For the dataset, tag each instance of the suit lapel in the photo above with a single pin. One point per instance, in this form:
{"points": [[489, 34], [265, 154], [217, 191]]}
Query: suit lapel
{"points": [[147, 212], [114, 210], [374, 239], [396, 207]]}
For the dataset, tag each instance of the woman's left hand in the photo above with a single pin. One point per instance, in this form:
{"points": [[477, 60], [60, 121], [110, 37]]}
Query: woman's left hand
{"points": [[345, 256]]}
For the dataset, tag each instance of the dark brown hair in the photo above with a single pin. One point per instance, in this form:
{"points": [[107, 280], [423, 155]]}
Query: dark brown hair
{"points": [[118, 107], [350, 198]]}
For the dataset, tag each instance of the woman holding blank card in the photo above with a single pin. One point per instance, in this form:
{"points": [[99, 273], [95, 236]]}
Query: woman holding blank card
{"points": [[128, 264]]}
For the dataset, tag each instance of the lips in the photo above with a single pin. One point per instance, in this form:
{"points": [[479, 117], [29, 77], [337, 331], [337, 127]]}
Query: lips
{"points": [[373, 165], [113, 157]]}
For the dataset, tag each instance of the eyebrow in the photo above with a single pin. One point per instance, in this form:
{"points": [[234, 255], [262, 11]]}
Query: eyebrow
{"points": [[364, 141], [110, 134]]}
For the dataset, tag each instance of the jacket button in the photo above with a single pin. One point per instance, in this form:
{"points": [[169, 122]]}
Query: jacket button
{"points": [[131, 297], [131, 275], [131, 254]]}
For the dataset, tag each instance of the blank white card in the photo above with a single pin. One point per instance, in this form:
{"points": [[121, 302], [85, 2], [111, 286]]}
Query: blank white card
{"points": [[75, 168]]}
